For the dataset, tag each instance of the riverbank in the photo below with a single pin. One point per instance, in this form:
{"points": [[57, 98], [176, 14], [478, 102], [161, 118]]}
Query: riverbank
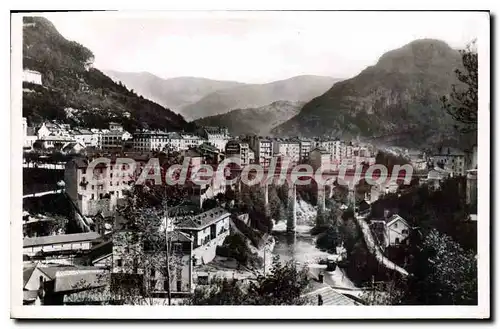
{"points": [[301, 247]]}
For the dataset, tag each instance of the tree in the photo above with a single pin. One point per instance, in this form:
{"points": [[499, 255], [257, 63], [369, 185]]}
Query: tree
{"points": [[283, 286], [444, 273], [144, 244], [462, 103]]}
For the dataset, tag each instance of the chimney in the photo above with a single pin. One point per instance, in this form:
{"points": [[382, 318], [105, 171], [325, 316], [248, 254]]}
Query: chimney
{"points": [[386, 213]]}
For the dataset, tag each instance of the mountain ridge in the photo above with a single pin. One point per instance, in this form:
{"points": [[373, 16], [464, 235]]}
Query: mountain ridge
{"points": [[175, 92], [254, 121], [400, 92], [70, 82], [298, 88]]}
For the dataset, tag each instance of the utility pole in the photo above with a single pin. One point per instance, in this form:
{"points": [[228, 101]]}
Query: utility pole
{"points": [[167, 253], [169, 294]]}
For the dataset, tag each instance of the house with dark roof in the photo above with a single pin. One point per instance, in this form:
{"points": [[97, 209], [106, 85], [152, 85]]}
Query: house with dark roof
{"points": [[391, 230], [48, 285], [73, 148], [208, 230], [322, 294]]}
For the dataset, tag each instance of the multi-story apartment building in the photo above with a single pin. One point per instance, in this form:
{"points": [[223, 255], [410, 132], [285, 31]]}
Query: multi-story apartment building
{"points": [[102, 192], [189, 141], [306, 145], [134, 257], [114, 138], [263, 148], [180, 250], [288, 148], [152, 140], [207, 230], [239, 149], [217, 136], [328, 144], [337, 150], [86, 137], [450, 159]]}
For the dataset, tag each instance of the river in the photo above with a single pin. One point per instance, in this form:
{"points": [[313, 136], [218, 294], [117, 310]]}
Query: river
{"points": [[301, 247]]}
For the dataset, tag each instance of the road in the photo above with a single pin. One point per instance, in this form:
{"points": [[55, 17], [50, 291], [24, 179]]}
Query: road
{"points": [[374, 248]]}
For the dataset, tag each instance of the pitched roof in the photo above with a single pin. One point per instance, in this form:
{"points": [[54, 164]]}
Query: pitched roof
{"points": [[204, 219], [329, 296], [77, 279], [208, 147], [56, 239], [394, 218], [27, 272], [30, 295]]}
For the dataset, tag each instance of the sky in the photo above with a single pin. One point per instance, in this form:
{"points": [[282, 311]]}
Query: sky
{"points": [[256, 47]]}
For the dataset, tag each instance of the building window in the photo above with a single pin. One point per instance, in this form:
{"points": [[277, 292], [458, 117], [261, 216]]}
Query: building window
{"points": [[153, 273], [397, 240], [405, 232], [165, 285], [92, 187], [395, 225], [152, 284], [119, 263]]}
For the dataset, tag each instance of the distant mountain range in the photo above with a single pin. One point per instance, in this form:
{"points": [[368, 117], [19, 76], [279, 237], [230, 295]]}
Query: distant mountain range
{"points": [[297, 89], [174, 93], [196, 98], [396, 100], [258, 121]]}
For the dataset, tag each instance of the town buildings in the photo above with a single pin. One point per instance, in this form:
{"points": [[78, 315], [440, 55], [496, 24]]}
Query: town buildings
{"points": [[98, 194], [179, 247], [113, 140], [29, 136], [319, 158], [86, 137], [288, 148], [31, 76], [54, 244], [306, 146], [263, 148], [240, 150], [208, 230], [217, 136], [450, 159], [391, 230]]}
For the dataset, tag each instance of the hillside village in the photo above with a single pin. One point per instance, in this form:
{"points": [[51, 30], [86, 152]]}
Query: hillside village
{"points": [[113, 241]]}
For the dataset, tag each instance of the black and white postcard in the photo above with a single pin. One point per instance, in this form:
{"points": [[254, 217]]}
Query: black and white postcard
{"points": [[178, 164]]}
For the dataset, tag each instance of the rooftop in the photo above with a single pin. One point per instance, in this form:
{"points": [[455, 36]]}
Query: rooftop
{"points": [[328, 295], [57, 239], [204, 219]]}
